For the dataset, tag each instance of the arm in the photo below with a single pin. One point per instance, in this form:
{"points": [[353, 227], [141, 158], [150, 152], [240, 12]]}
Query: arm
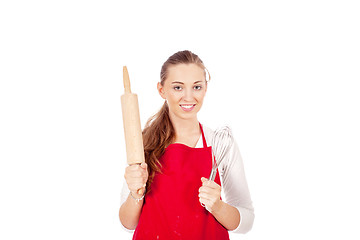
{"points": [[129, 212], [235, 188], [236, 205], [225, 214], [136, 177]]}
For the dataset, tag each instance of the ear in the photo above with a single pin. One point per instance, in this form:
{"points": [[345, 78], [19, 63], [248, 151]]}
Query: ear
{"points": [[161, 90]]}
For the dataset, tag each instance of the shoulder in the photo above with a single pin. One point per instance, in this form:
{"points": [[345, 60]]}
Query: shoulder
{"points": [[208, 134], [217, 135], [224, 148]]}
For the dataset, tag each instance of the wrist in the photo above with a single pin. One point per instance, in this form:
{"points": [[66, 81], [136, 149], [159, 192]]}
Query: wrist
{"points": [[218, 208], [137, 197]]}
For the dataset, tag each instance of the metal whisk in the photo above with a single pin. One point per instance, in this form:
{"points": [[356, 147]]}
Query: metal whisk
{"points": [[221, 144]]}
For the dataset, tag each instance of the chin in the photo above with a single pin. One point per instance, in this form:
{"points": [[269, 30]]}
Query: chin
{"points": [[189, 116]]}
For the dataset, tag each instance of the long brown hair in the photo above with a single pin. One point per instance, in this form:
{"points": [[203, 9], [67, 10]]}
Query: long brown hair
{"points": [[159, 131]]}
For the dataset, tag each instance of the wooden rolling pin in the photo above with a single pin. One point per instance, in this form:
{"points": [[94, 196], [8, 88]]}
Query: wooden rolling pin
{"points": [[132, 126]]}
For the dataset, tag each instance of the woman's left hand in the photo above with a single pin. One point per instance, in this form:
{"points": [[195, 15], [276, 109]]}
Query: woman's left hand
{"points": [[209, 195]]}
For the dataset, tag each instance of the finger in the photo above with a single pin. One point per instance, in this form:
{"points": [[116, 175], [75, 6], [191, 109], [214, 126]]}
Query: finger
{"points": [[134, 187], [203, 196], [136, 180], [136, 168], [134, 165], [209, 199], [205, 203], [139, 183], [140, 191], [138, 172], [142, 167], [205, 189], [202, 199], [209, 195], [210, 191], [205, 181], [137, 193], [130, 170], [211, 184]]}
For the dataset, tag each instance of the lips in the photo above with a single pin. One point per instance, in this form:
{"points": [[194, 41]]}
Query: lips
{"points": [[187, 107]]}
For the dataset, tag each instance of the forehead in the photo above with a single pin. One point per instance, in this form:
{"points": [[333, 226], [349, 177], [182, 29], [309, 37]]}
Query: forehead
{"points": [[185, 73]]}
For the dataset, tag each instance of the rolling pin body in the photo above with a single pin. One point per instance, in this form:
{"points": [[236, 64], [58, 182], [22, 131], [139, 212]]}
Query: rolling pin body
{"points": [[132, 126]]}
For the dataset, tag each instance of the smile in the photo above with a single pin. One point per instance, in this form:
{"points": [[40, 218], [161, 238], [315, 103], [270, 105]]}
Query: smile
{"points": [[187, 107]]}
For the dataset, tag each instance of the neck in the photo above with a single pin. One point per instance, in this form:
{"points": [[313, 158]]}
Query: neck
{"points": [[185, 126]]}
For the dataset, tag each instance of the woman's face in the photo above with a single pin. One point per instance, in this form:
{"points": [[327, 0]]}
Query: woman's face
{"points": [[184, 89]]}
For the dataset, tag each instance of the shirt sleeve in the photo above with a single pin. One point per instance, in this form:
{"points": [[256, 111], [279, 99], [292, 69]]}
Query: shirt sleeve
{"points": [[234, 186]]}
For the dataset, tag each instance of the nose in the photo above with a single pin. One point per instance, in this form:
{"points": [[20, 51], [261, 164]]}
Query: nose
{"points": [[188, 95]]}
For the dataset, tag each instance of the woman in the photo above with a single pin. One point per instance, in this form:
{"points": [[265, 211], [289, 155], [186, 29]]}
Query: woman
{"points": [[169, 196]]}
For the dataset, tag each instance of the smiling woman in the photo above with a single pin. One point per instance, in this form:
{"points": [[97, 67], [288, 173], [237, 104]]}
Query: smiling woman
{"points": [[184, 90], [180, 202]]}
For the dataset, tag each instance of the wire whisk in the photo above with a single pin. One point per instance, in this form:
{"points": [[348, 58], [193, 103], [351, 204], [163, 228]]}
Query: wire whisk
{"points": [[220, 145]]}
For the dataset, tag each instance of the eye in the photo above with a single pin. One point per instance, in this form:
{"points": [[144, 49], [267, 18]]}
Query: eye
{"points": [[177, 88], [198, 87]]}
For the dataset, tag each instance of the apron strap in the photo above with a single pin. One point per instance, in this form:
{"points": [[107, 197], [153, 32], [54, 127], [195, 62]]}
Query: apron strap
{"points": [[203, 137]]}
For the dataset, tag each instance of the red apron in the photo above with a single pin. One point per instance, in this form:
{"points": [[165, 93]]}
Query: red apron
{"points": [[172, 209]]}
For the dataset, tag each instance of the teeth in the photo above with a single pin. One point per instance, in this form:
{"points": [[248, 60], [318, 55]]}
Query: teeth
{"points": [[187, 106]]}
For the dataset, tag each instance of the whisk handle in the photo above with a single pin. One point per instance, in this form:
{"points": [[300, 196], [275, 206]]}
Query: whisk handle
{"points": [[212, 174]]}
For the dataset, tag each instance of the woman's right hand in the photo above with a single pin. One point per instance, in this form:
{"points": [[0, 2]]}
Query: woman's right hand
{"points": [[136, 177]]}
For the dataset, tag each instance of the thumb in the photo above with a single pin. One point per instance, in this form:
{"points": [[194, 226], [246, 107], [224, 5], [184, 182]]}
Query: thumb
{"points": [[203, 179], [143, 165]]}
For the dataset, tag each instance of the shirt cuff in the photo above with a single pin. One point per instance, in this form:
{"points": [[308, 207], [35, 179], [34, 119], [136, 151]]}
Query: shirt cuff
{"points": [[246, 221]]}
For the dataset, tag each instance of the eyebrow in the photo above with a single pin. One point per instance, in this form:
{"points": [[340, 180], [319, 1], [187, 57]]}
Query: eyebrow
{"points": [[176, 82]]}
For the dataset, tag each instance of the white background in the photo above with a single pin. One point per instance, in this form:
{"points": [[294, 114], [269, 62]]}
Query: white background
{"points": [[285, 76]]}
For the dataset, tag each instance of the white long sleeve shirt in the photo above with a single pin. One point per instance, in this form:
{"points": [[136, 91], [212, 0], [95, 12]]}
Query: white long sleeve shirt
{"points": [[235, 191]]}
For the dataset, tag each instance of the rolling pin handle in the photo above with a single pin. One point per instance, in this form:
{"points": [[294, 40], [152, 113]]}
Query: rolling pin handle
{"points": [[126, 80]]}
